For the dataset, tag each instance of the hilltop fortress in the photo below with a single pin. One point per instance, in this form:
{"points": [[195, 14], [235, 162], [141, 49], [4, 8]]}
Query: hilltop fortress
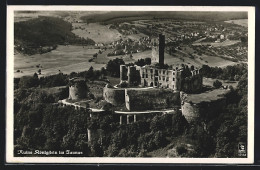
{"points": [[154, 89], [152, 86], [178, 79]]}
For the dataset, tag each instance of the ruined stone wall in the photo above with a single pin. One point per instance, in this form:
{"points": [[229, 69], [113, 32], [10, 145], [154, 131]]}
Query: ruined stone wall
{"points": [[131, 75], [155, 54], [192, 84], [190, 111], [203, 111], [178, 80], [77, 91], [115, 96], [151, 99], [123, 73], [153, 77], [147, 77]]}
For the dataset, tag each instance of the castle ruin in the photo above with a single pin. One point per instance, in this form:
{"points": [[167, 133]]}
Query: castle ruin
{"points": [[151, 87], [77, 88], [158, 46], [177, 79]]}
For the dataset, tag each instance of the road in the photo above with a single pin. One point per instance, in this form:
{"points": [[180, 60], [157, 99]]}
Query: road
{"points": [[168, 111]]}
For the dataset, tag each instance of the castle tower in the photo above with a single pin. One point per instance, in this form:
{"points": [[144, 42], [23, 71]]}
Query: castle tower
{"points": [[123, 73], [77, 88], [158, 50], [131, 75]]}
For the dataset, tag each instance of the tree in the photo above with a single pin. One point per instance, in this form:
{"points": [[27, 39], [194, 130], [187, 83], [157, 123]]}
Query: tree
{"points": [[181, 149], [217, 84], [29, 81], [123, 84], [90, 73], [95, 55], [103, 72], [113, 67], [73, 74]]}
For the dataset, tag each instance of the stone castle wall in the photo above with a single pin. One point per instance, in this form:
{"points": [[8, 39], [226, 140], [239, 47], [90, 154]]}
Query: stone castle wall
{"points": [[115, 96], [155, 54], [206, 110], [77, 91], [192, 84], [163, 78], [151, 99], [123, 73]]}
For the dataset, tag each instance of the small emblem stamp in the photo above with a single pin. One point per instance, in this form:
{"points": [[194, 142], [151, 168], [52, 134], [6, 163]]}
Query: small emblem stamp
{"points": [[242, 149]]}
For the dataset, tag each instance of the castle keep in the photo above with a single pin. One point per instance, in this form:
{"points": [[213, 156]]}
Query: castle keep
{"points": [[146, 89], [152, 87], [158, 46], [177, 79], [77, 88]]}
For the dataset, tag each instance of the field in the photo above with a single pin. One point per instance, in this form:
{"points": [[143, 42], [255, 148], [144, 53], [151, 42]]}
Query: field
{"points": [[71, 58], [210, 95], [135, 36], [101, 33], [65, 58], [198, 61], [217, 44], [242, 22], [98, 33], [177, 60], [76, 58]]}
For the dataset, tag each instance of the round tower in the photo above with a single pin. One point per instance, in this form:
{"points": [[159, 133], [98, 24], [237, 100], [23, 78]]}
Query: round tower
{"points": [[77, 88]]}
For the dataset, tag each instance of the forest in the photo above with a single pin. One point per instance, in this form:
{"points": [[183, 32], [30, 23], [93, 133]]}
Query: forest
{"points": [[43, 34]]}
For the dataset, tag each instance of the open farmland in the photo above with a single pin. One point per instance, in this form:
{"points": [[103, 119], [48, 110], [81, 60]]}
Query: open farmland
{"points": [[76, 58], [213, 94], [69, 59], [135, 37], [65, 58], [98, 33], [242, 22], [177, 59], [217, 44], [184, 57]]}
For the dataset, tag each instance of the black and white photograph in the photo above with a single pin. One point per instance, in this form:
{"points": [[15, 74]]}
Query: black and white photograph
{"points": [[130, 84]]}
